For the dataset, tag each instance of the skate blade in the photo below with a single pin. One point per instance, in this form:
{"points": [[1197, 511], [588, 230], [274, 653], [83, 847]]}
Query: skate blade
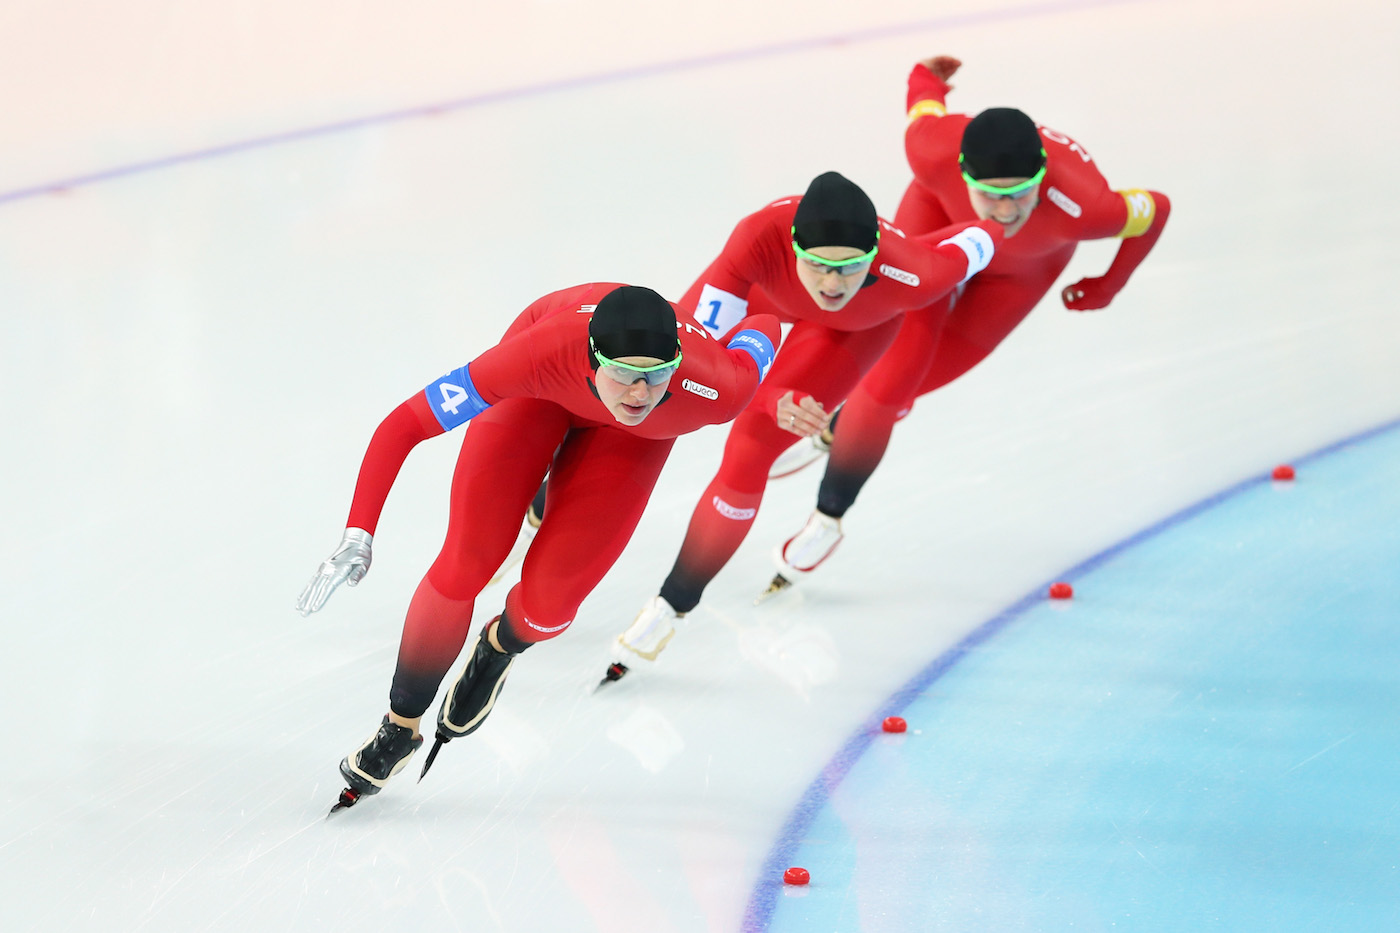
{"points": [[438, 743], [348, 798], [779, 584], [616, 671]]}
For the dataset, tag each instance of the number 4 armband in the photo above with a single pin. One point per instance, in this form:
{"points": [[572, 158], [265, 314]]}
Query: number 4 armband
{"points": [[757, 345], [454, 400]]}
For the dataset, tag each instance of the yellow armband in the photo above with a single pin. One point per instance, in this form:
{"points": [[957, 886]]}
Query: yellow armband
{"points": [[1142, 210], [927, 108]]}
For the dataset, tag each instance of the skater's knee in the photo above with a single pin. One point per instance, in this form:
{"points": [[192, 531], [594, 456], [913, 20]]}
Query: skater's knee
{"points": [[459, 576], [532, 617]]}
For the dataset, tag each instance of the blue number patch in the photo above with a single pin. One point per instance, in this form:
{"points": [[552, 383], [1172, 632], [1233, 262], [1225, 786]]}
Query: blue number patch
{"points": [[756, 345], [454, 399]]}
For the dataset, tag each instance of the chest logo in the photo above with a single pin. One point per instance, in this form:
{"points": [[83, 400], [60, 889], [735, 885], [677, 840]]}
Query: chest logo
{"points": [[1064, 202], [899, 275], [700, 390]]}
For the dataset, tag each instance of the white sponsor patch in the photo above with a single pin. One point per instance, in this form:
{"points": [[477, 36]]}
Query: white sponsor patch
{"points": [[698, 389], [1063, 202], [976, 245], [728, 511], [720, 310], [547, 629], [899, 275]]}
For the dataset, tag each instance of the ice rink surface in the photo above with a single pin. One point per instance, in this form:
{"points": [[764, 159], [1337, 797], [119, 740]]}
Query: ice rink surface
{"points": [[233, 238]]}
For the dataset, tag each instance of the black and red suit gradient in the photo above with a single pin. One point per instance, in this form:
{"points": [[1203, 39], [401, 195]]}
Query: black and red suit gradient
{"points": [[824, 356], [538, 413]]}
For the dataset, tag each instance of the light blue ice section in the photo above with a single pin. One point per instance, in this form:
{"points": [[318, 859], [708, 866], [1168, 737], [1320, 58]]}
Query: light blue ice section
{"points": [[1206, 737]]}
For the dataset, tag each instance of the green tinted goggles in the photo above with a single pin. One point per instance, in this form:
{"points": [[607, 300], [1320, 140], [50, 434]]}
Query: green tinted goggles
{"points": [[850, 266], [1013, 191], [627, 374]]}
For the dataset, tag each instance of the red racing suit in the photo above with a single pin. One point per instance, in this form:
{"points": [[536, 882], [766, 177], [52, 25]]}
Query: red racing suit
{"points": [[533, 409], [939, 343], [825, 355]]}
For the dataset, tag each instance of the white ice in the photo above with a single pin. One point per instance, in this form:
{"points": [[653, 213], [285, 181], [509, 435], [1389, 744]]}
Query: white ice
{"points": [[195, 356]]}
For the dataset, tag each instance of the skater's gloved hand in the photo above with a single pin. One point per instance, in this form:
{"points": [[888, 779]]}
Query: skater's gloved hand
{"points": [[348, 564], [801, 414], [1088, 294], [943, 66]]}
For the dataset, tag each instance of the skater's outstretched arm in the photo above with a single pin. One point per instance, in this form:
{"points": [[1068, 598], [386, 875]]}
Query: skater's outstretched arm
{"points": [[446, 403]]}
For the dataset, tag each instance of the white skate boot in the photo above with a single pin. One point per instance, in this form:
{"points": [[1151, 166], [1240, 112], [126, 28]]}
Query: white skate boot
{"points": [[522, 544], [649, 632], [801, 455], [804, 552], [645, 637]]}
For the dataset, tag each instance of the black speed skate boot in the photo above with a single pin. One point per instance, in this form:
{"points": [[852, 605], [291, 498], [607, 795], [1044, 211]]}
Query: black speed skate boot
{"points": [[473, 696], [368, 768]]}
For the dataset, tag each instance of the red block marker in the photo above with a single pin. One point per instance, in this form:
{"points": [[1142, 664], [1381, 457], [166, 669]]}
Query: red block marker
{"points": [[796, 876], [1061, 591], [894, 724], [1283, 473]]}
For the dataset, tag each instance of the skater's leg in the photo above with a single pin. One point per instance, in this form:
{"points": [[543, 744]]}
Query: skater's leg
{"points": [[504, 456], [727, 508], [598, 490], [868, 417], [599, 487], [526, 536], [928, 354], [823, 363]]}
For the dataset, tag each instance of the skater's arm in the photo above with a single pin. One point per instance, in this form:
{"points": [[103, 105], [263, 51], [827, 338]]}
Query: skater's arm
{"points": [[931, 137], [406, 427], [1147, 213], [928, 86], [757, 341], [953, 255]]}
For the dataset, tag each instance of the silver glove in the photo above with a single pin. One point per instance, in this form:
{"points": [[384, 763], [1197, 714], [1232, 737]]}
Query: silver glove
{"points": [[348, 564]]}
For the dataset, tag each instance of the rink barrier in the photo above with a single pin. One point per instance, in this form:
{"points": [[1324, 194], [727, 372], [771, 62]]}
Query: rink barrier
{"points": [[764, 897]]}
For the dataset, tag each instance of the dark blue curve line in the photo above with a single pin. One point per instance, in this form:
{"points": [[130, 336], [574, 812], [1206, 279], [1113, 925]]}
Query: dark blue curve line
{"points": [[763, 900], [557, 86]]}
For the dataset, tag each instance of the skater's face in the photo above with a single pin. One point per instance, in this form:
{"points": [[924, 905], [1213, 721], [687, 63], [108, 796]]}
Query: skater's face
{"points": [[1011, 211], [630, 402], [832, 287]]}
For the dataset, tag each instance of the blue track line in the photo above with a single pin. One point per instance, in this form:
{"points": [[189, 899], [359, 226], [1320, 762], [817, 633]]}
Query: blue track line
{"points": [[763, 900], [559, 86]]}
